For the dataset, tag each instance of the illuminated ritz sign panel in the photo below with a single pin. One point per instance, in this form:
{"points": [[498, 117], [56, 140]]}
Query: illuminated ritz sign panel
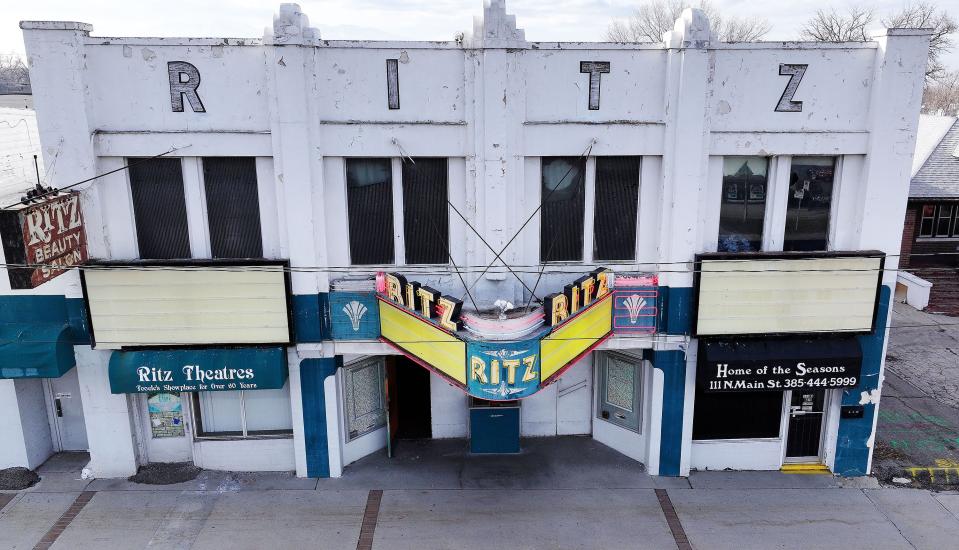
{"points": [[426, 326]]}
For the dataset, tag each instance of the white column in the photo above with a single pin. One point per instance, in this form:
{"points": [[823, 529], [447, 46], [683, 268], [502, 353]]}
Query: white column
{"points": [[13, 452], [110, 428]]}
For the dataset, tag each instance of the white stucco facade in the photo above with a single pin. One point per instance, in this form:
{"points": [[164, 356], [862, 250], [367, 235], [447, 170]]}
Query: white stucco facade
{"points": [[494, 105]]}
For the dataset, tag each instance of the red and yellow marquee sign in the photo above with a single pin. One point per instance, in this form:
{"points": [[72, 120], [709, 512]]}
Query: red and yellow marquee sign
{"points": [[425, 326]]}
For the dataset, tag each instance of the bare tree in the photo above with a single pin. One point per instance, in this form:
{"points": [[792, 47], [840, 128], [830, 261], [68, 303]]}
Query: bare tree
{"points": [[14, 74], [655, 17], [941, 96], [835, 26], [924, 15]]}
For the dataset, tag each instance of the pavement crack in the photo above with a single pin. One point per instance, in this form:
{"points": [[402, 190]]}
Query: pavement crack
{"points": [[880, 510]]}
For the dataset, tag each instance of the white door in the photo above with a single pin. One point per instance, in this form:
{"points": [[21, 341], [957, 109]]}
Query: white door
{"points": [[166, 427], [71, 430], [574, 398]]}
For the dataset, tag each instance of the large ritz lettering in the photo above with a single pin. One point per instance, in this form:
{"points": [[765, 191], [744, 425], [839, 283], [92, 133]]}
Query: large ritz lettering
{"points": [[491, 373], [425, 301], [576, 296]]}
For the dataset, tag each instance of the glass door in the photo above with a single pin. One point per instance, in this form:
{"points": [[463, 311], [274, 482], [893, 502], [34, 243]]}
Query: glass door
{"points": [[806, 413]]}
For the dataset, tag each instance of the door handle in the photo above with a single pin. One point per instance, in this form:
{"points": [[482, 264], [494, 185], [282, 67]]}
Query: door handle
{"points": [[496, 416], [621, 416], [58, 406]]}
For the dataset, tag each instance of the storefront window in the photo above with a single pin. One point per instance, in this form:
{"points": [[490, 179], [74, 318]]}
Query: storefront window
{"points": [[620, 395], [809, 202], [364, 397], [743, 207], [369, 197], [159, 208], [564, 205], [233, 207], [617, 201], [425, 212], [737, 415], [243, 413]]}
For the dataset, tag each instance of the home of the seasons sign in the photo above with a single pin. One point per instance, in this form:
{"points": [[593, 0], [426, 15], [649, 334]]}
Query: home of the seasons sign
{"points": [[777, 365]]}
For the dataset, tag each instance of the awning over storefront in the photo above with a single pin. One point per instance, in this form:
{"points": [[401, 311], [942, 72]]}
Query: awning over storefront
{"points": [[778, 364], [205, 369], [35, 350]]}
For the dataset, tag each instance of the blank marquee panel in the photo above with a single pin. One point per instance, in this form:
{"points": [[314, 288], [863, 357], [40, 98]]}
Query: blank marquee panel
{"points": [[770, 296], [155, 306]]}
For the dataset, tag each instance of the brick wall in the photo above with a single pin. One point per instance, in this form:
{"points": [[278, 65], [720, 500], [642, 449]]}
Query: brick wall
{"points": [[908, 235]]}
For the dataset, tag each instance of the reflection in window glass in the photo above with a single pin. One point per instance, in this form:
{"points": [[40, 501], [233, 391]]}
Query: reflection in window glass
{"points": [[809, 201], [564, 205], [736, 415], [369, 199], [743, 206]]}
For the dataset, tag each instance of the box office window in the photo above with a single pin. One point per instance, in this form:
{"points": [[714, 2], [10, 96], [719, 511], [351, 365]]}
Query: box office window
{"points": [[564, 205], [363, 397], [736, 415], [369, 198], [233, 207], [425, 212], [243, 413], [742, 209], [159, 208], [619, 399], [809, 202], [617, 202]]}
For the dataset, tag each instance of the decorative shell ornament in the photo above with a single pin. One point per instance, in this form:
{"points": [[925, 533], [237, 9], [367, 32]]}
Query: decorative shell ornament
{"points": [[355, 311], [634, 303]]}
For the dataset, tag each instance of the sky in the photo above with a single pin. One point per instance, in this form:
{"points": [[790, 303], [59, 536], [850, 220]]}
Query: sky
{"points": [[544, 20]]}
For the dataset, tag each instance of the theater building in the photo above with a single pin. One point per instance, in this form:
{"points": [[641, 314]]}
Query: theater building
{"points": [[297, 252]]}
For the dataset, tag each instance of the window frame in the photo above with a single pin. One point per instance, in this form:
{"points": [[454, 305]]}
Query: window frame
{"points": [[200, 435], [399, 237], [589, 212], [639, 372], [743, 196], [205, 200], [379, 361], [831, 227], [931, 218]]}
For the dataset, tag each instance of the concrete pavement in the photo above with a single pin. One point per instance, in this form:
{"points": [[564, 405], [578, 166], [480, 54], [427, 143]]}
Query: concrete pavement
{"points": [[435, 496], [917, 435]]}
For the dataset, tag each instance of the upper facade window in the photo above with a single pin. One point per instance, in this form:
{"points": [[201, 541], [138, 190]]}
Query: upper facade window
{"points": [[370, 195], [809, 203], [233, 207], [614, 189], [159, 209], [162, 218], [743, 208], [939, 220]]}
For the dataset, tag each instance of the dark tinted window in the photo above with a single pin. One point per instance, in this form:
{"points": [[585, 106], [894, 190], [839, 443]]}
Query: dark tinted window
{"points": [[425, 213], [736, 415], [810, 198], [743, 205], [159, 208], [561, 229], [369, 198], [233, 208], [617, 198]]}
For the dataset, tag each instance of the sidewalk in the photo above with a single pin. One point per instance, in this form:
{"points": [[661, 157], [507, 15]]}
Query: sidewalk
{"points": [[556, 507]]}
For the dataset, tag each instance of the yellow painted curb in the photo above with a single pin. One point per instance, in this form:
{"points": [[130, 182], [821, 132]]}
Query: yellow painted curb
{"points": [[804, 469]]}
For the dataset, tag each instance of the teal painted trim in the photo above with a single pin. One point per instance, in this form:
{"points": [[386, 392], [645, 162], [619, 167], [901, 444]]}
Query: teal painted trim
{"points": [[203, 369], [33, 308], [852, 449], [676, 310], [77, 319], [673, 365], [313, 374], [311, 318]]}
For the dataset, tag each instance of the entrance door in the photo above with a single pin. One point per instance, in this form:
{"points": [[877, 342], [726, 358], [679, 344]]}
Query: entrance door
{"points": [[806, 413], [71, 431], [412, 400]]}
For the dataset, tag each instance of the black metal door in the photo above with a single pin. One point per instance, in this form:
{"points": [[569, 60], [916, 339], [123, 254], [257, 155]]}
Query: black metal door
{"points": [[805, 424]]}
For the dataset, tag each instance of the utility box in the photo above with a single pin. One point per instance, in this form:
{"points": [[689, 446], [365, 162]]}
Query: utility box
{"points": [[494, 426]]}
